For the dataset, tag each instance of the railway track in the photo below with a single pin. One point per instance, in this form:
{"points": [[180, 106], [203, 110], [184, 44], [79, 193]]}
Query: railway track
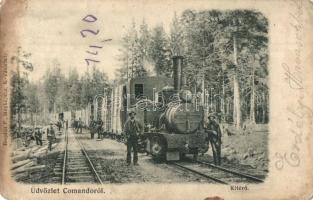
{"points": [[215, 173], [75, 166], [222, 175]]}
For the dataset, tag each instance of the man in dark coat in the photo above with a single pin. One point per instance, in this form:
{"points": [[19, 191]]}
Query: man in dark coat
{"points": [[132, 129], [79, 126], [50, 136], [38, 136], [99, 128], [92, 128], [59, 125], [28, 137], [214, 137]]}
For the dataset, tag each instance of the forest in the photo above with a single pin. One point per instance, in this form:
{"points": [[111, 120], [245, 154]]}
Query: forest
{"points": [[225, 53], [54, 93]]}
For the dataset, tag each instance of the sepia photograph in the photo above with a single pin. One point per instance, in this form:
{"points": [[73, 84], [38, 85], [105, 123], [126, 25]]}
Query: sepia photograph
{"points": [[187, 101]]}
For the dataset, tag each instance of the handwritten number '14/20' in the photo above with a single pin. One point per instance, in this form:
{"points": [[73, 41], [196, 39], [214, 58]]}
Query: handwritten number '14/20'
{"points": [[85, 32]]}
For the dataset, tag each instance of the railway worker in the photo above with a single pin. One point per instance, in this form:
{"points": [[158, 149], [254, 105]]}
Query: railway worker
{"points": [[72, 123], [132, 130], [214, 138], [76, 125], [66, 124], [50, 136], [79, 126], [99, 128], [28, 136], [59, 125], [38, 136], [92, 128]]}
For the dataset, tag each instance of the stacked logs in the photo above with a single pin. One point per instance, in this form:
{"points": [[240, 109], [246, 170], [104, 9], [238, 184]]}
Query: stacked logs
{"points": [[25, 161]]}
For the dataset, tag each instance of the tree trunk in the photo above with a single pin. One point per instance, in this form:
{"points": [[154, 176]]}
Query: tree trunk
{"points": [[227, 108], [32, 119], [264, 107], [237, 110], [252, 100], [222, 99]]}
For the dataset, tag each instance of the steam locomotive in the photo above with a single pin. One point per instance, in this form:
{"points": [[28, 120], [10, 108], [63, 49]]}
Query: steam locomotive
{"points": [[171, 115], [172, 118]]}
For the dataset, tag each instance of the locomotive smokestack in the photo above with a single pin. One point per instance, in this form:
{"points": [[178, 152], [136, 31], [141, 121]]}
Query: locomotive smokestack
{"points": [[178, 71]]}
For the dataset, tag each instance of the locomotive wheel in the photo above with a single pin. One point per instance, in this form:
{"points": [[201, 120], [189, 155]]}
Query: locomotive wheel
{"points": [[158, 148]]}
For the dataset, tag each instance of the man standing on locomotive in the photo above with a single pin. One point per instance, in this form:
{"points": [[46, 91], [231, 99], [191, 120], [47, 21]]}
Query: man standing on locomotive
{"points": [[214, 137], [132, 129]]}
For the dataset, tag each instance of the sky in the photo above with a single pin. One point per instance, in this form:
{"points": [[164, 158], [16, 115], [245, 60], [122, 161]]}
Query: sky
{"points": [[50, 30]]}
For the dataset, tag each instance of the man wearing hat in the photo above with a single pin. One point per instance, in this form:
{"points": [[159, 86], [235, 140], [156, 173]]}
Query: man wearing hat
{"points": [[92, 128], [132, 129], [80, 126], [214, 137], [50, 136], [38, 136], [99, 128]]}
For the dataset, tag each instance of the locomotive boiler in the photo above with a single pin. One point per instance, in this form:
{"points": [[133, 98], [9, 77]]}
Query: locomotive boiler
{"points": [[180, 125]]}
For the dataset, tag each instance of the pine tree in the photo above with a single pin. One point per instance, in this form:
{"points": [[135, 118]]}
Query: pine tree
{"points": [[176, 37], [134, 52], [159, 51], [220, 46]]}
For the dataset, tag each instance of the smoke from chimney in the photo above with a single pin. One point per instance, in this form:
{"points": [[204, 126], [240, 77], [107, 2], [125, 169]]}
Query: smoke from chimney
{"points": [[149, 67]]}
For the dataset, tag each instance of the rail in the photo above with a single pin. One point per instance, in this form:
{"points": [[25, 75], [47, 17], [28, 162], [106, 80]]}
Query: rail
{"points": [[65, 158], [84, 152], [220, 169], [248, 176], [89, 161], [199, 173]]}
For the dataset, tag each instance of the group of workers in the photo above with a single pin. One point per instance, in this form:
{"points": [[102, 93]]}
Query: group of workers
{"points": [[133, 129], [96, 128], [51, 136], [78, 125], [29, 134]]}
